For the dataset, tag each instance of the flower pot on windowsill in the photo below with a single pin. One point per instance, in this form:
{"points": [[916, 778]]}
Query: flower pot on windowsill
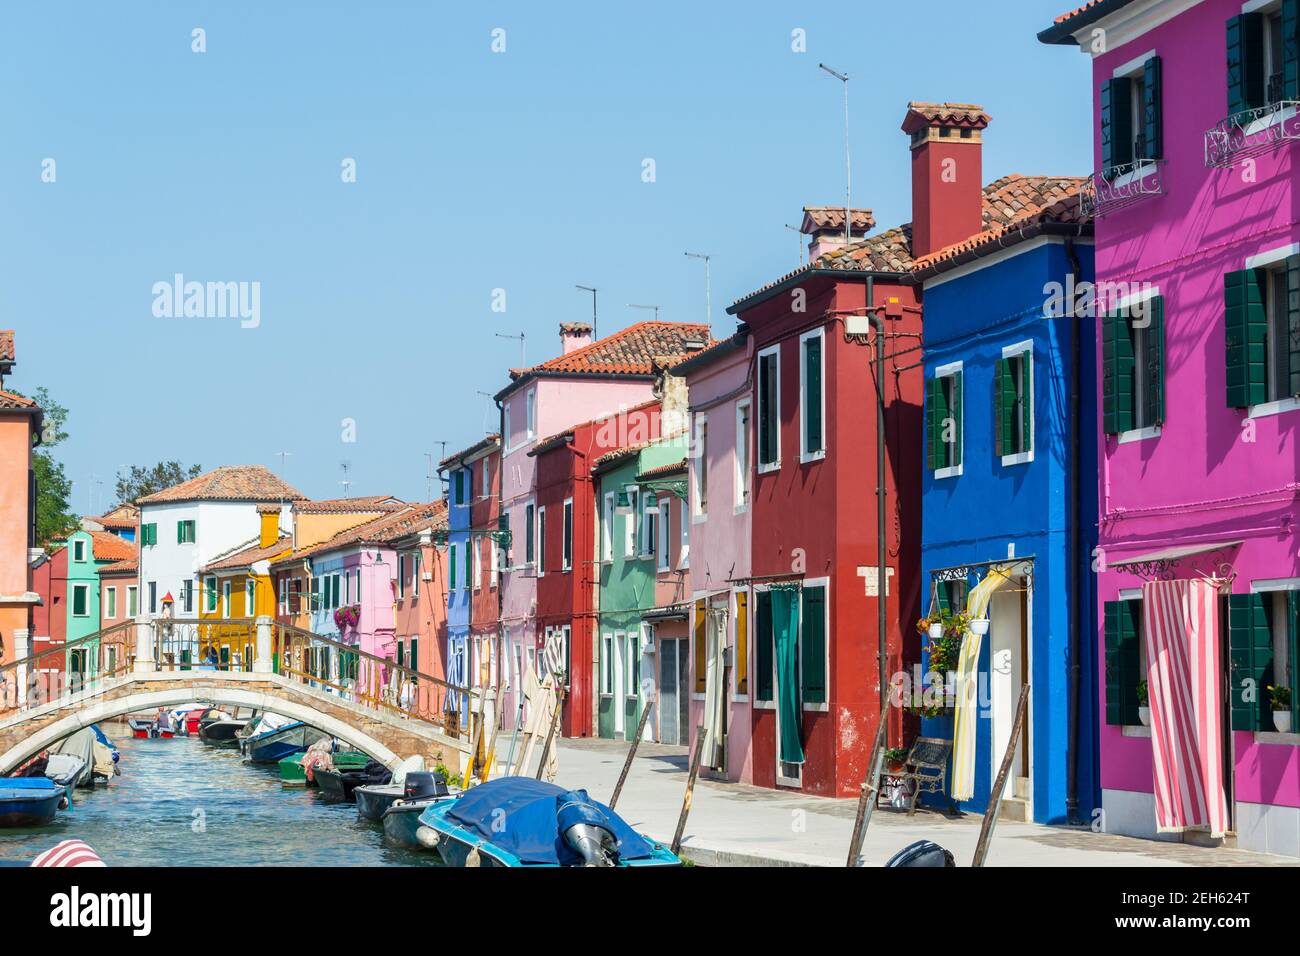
{"points": [[1282, 721], [1144, 715]]}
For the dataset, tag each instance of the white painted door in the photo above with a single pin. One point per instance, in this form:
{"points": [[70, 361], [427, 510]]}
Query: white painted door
{"points": [[1007, 674]]}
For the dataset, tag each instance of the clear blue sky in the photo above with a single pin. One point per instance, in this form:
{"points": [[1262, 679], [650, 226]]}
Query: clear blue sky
{"points": [[476, 171]]}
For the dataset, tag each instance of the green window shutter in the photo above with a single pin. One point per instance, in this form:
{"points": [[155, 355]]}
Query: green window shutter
{"points": [[1245, 337], [812, 415], [1117, 373], [939, 419], [931, 430], [1245, 62], [955, 412], [1293, 649], [1291, 49], [763, 646], [1155, 382], [1123, 662], [413, 661], [1027, 401], [451, 585], [1293, 321], [941, 597], [400, 657], [1250, 650], [1005, 384], [813, 645], [1116, 123], [180, 532], [1152, 110]]}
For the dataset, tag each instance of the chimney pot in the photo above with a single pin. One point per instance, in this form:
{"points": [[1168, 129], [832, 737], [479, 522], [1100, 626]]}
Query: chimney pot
{"points": [[573, 336]]}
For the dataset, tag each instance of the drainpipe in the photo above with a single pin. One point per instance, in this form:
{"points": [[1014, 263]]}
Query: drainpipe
{"points": [[1076, 622], [882, 570]]}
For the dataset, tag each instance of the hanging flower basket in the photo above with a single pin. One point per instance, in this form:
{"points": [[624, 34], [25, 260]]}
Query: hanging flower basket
{"points": [[346, 617]]}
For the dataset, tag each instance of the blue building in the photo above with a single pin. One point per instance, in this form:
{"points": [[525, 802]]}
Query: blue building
{"points": [[1009, 486], [459, 474]]}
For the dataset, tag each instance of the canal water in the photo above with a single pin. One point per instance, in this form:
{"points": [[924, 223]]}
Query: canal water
{"points": [[182, 802]]}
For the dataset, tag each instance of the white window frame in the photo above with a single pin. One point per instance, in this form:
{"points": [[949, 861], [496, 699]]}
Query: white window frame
{"points": [[645, 543], [284, 596], [632, 522], [530, 400], [477, 545], [607, 528], [734, 611], [250, 598], [607, 665], [85, 588], [1025, 350], [132, 598], [417, 563], [947, 371], [566, 531], [684, 539], [110, 604], [805, 455], [632, 659], [775, 350], [505, 427], [539, 541], [486, 484], [1147, 431], [225, 599], [700, 469], [743, 485], [79, 551], [494, 573], [664, 553]]}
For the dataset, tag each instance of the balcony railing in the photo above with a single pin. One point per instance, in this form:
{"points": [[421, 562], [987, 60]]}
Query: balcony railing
{"points": [[1255, 131], [1123, 185]]}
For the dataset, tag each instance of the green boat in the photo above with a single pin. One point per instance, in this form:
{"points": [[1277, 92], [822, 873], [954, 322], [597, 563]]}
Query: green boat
{"points": [[292, 774]]}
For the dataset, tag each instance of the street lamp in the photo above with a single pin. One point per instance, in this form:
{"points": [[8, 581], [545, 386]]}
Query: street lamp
{"points": [[848, 165]]}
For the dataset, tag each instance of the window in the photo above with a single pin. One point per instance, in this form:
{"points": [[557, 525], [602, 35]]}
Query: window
{"points": [[505, 425], [567, 544], [187, 592], [451, 562], [210, 595], [1123, 631], [648, 527], [812, 393], [284, 594], [607, 665], [401, 573], [225, 599], [132, 601], [495, 551], [149, 534], [1133, 347], [485, 484], [1262, 64], [700, 468], [1013, 419], [413, 661], [80, 600], [476, 544], [1263, 629], [743, 464], [632, 521], [700, 646], [607, 528], [459, 482], [684, 539], [417, 560], [110, 603], [633, 661], [1132, 125], [950, 596], [153, 597], [315, 593], [943, 411], [740, 667], [664, 552], [1262, 334], [769, 409], [79, 550], [250, 597], [530, 535], [185, 532], [532, 414], [541, 541], [812, 646]]}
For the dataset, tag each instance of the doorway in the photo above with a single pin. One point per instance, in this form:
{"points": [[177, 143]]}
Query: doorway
{"points": [[1008, 673], [674, 702]]}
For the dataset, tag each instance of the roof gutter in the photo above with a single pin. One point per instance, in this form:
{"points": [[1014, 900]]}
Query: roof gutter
{"points": [[1067, 230], [533, 374], [1063, 33], [732, 343], [841, 275]]}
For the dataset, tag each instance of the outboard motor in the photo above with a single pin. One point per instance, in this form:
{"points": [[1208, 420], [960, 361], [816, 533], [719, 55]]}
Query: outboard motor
{"points": [[421, 785], [586, 830], [922, 853]]}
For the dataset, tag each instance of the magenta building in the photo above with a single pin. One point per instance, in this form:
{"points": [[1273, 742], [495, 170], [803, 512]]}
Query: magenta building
{"points": [[1198, 294]]}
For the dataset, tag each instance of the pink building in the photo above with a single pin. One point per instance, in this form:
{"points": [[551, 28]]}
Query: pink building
{"points": [[587, 381], [720, 486], [1198, 269]]}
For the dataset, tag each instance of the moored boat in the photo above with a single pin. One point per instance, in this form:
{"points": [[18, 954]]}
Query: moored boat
{"points": [[341, 781], [274, 745], [374, 798], [402, 818], [521, 822], [29, 801], [218, 727]]}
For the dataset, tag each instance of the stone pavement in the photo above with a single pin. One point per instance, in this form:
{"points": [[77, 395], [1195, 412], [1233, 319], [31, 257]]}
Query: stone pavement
{"points": [[738, 825]]}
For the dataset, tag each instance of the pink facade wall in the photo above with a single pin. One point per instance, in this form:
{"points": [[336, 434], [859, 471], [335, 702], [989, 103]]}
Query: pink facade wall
{"points": [[1202, 479], [720, 545]]}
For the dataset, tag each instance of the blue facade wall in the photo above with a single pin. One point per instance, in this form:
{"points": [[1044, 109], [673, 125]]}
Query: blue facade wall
{"points": [[992, 511], [458, 598]]}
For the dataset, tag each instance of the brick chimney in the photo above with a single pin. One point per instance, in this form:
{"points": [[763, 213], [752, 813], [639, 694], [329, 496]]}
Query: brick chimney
{"points": [[824, 225], [947, 173], [573, 336]]}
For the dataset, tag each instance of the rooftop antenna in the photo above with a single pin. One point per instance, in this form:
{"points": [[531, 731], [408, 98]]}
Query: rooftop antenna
{"points": [[282, 455], [633, 305], [522, 338], [487, 409], [429, 474], [798, 238], [848, 165], [587, 288], [708, 300], [345, 482]]}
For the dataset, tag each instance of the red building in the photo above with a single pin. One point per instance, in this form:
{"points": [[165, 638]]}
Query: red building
{"points": [[567, 576], [814, 494], [485, 599], [50, 617]]}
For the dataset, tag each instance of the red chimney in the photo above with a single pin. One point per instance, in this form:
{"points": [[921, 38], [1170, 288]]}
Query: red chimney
{"points": [[947, 173]]}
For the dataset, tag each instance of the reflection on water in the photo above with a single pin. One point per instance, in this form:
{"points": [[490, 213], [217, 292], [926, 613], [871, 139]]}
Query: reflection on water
{"points": [[181, 802]]}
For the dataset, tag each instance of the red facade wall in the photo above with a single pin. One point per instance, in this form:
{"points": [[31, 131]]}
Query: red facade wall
{"points": [[819, 518]]}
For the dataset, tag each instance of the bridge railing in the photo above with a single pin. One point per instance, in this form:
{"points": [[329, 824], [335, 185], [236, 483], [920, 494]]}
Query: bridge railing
{"points": [[64, 670]]}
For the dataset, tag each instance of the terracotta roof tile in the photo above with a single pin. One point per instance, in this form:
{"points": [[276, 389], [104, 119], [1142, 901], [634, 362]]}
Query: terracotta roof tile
{"points": [[382, 530], [575, 328], [6, 345], [672, 468], [967, 115], [129, 566], [360, 505], [629, 352], [1065, 210], [816, 218], [249, 553], [109, 547], [478, 446], [10, 400], [229, 483]]}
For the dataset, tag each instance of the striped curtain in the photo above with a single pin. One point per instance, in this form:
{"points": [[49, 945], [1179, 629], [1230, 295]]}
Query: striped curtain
{"points": [[1180, 625], [963, 728]]}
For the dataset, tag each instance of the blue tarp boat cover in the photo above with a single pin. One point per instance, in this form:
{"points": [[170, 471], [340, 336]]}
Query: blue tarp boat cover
{"points": [[519, 815], [28, 783]]}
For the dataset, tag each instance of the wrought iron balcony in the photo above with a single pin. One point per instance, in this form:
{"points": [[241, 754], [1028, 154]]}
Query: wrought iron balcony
{"points": [[1255, 131], [1118, 186]]}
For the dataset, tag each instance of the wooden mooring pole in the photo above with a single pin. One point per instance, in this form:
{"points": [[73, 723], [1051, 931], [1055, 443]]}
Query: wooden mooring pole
{"points": [[995, 798], [868, 798], [491, 756], [550, 734], [690, 789], [631, 754]]}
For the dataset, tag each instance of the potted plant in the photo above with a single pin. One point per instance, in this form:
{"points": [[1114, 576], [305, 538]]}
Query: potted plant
{"points": [[1280, 700], [1144, 712], [894, 759], [347, 616]]}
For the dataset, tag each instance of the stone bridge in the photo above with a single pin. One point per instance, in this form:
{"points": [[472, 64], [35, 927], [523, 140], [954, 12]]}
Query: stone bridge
{"points": [[387, 737]]}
